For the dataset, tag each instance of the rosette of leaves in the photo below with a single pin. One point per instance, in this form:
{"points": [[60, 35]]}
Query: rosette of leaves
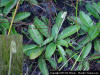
{"points": [[90, 40], [7, 8], [48, 44]]}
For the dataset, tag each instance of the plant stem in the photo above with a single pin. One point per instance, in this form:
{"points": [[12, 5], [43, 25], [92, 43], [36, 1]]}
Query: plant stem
{"points": [[66, 62], [77, 59], [13, 17], [10, 63]]}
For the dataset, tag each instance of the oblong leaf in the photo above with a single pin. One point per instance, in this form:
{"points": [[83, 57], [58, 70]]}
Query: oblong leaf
{"points": [[9, 6], [50, 50], [93, 32], [28, 47], [83, 27], [59, 21], [68, 31], [62, 54], [61, 50], [41, 26], [85, 19], [86, 50], [34, 33], [20, 16], [92, 10], [43, 66], [36, 52]]}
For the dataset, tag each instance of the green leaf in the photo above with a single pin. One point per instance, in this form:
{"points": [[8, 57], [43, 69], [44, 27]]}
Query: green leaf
{"points": [[82, 43], [68, 31], [86, 50], [9, 6], [92, 10], [50, 50], [34, 33], [33, 2], [60, 18], [55, 31], [63, 54], [4, 23], [28, 47], [83, 27], [93, 32], [43, 66], [98, 3], [62, 42], [97, 45], [41, 26], [97, 7], [60, 59], [61, 50], [36, 52], [85, 19], [59, 21], [52, 62], [48, 40], [20, 16], [98, 26], [4, 2]]}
